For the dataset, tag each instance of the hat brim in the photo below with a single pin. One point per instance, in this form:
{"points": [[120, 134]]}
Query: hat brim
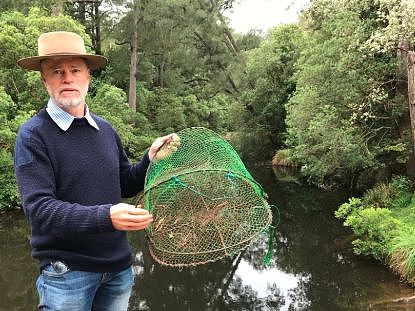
{"points": [[33, 63]]}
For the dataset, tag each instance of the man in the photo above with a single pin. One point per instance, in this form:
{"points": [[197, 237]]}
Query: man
{"points": [[72, 171]]}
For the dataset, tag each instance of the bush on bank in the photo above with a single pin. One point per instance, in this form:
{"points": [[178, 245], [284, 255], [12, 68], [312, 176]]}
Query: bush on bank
{"points": [[384, 225]]}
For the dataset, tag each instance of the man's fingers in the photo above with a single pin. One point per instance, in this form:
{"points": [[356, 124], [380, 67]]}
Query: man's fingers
{"points": [[160, 143], [134, 218], [138, 211], [136, 225], [169, 137], [128, 217], [139, 218]]}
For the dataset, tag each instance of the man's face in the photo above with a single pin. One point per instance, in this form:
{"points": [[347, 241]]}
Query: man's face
{"points": [[67, 80]]}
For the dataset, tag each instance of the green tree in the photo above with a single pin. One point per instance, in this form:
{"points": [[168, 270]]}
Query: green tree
{"points": [[345, 89], [270, 70], [10, 120], [24, 6], [250, 40], [110, 103], [190, 53]]}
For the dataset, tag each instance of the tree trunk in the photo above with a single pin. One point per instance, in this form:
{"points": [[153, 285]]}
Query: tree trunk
{"points": [[58, 8], [82, 13], [228, 36], [161, 73], [411, 92], [88, 14], [97, 26], [132, 94]]}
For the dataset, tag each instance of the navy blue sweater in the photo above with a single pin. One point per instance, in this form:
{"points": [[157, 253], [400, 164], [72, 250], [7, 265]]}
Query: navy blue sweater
{"points": [[68, 180]]}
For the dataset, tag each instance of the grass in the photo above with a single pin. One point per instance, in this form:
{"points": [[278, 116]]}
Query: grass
{"points": [[402, 259], [402, 246], [283, 158]]}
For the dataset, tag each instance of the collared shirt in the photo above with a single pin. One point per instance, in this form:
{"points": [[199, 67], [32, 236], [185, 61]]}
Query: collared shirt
{"points": [[64, 119]]}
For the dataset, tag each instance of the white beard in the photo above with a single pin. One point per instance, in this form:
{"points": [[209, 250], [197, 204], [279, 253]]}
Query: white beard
{"points": [[71, 102]]}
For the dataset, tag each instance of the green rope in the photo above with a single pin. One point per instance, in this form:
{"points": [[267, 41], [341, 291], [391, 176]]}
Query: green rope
{"points": [[179, 182], [271, 235], [230, 176]]}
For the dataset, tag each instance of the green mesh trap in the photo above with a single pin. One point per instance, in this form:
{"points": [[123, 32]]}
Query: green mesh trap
{"points": [[204, 202]]}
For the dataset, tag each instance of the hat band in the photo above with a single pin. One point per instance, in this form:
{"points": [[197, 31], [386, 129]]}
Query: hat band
{"points": [[63, 53]]}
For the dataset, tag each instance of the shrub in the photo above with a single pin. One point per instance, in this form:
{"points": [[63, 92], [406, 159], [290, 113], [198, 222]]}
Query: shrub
{"points": [[402, 186], [348, 208], [396, 194], [379, 196], [401, 183], [375, 228]]}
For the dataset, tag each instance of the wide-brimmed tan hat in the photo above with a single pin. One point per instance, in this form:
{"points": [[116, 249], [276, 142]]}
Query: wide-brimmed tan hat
{"points": [[61, 43]]}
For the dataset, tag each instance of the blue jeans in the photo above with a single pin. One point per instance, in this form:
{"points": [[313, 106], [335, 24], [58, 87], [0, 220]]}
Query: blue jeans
{"points": [[62, 289]]}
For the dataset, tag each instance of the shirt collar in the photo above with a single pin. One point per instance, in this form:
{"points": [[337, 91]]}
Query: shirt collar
{"points": [[64, 119]]}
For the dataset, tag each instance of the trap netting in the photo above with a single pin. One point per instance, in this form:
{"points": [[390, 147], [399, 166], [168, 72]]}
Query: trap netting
{"points": [[204, 202]]}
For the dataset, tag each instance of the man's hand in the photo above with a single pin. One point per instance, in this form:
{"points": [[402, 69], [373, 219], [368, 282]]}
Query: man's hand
{"points": [[171, 141], [127, 217]]}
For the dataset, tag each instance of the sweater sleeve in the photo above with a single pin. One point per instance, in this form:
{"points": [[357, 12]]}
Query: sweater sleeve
{"points": [[132, 176], [37, 186]]}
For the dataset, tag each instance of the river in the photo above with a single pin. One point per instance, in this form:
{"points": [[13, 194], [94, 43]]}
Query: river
{"points": [[313, 266]]}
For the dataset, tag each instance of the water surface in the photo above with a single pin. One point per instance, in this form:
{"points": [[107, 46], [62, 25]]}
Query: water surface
{"points": [[313, 267]]}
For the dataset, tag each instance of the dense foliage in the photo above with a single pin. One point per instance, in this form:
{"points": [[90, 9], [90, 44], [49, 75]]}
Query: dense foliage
{"points": [[329, 91], [270, 82], [348, 115], [183, 76]]}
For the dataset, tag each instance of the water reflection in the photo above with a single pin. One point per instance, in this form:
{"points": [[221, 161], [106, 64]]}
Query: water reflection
{"points": [[273, 282], [313, 267], [315, 247], [17, 269]]}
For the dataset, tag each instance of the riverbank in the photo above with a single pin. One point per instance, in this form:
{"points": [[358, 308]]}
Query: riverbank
{"points": [[383, 222]]}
